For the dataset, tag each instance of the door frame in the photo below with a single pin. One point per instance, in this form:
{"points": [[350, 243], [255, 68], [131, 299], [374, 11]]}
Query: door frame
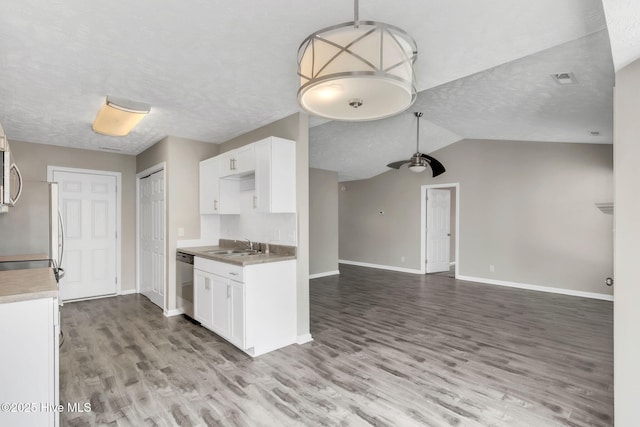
{"points": [[118, 175], [423, 224], [151, 170]]}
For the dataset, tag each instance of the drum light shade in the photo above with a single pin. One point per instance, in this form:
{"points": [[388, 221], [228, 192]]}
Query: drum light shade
{"points": [[119, 116], [357, 71]]}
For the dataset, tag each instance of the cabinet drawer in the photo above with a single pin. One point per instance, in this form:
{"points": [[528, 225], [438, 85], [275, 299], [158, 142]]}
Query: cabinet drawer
{"points": [[230, 271]]}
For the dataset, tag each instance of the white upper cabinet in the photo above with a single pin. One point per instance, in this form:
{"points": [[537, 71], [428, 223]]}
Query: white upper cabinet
{"points": [[275, 175], [217, 196], [268, 166], [209, 187], [237, 162]]}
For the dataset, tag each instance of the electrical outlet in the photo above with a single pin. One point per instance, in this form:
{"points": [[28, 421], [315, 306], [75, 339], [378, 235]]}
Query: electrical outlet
{"points": [[491, 268], [180, 232], [402, 259]]}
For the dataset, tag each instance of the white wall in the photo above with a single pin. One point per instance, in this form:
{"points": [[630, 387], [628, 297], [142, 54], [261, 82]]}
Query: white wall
{"points": [[627, 246]]}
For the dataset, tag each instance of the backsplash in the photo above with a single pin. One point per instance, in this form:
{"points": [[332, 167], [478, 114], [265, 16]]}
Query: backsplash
{"points": [[260, 227]]}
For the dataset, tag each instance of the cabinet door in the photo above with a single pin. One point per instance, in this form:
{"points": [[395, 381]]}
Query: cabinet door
{"points": [[209, 186], [28, 361], [237, 314], [202, 298], [245, 159], [262, 201], [221, 297], [227, 163], [275, 175]]}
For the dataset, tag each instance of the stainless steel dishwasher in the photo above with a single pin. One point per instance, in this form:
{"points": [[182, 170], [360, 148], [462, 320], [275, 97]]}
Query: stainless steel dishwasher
{"points": [[184, 283]]}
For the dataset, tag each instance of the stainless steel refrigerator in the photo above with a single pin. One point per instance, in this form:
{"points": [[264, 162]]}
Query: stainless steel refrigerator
{"points": [[33, 228]]}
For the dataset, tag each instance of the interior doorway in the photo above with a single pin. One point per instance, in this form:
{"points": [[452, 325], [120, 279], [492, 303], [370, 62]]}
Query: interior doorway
{"points": [[152, 234], [440, 212], [90, 212]]}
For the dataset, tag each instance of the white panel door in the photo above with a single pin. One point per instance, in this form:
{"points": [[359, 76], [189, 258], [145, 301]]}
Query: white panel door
{"points": [[87, 203], [152, 243], [438, 230]]}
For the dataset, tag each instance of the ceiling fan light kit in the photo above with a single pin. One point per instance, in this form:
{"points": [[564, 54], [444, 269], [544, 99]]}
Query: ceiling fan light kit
{"points": [[357, 71], [118, 116], [419, 162]]}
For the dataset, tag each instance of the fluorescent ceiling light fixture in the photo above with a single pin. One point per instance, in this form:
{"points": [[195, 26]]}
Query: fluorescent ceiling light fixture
{"points": [[119, 116], [357, 71]]}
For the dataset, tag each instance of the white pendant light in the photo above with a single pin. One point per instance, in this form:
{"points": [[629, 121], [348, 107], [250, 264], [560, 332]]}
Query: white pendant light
{"points": [[357, 71]]}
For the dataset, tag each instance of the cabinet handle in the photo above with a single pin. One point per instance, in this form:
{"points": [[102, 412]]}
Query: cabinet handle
{"points": [[233, 274], [215, 205], [228, 291], [255, 202]]}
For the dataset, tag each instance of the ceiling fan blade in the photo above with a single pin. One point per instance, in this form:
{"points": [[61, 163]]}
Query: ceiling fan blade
{"points": [[396, 165], [436, 167]]}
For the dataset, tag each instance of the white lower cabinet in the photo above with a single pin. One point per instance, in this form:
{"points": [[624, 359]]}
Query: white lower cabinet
{"points": [[202, 299], [253, 307], [220, 303], [29, 331], [236, 334]]}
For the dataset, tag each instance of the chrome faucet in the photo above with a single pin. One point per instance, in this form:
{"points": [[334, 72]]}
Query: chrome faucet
{"points": [[248, 243]]}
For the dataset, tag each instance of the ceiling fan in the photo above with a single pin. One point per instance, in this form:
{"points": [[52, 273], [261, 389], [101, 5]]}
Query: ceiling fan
{"points": [[419, 162]]}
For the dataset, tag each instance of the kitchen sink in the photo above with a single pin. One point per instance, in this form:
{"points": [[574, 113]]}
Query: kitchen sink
{"points": [[232, 252]]}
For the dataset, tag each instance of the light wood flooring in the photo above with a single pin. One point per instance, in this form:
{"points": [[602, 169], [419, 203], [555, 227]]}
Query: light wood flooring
{"points": [[389, 349]]}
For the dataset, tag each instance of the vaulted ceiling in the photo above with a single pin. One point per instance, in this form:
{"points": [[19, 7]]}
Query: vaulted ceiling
{"points": [[213, 70]]}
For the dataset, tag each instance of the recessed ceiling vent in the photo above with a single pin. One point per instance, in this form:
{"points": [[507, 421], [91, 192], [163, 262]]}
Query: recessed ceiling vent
{"points": [[564, 79]]}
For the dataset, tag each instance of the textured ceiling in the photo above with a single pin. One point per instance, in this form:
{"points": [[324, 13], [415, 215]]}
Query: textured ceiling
{"points": [[515, 101], [214, 70], [623, 21]]}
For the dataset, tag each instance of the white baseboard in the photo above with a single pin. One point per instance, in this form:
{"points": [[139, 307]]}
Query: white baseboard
{"points": [[380, 266], [174, 312], [325, 274], [304, 338], [128, 292], [562, 291]]}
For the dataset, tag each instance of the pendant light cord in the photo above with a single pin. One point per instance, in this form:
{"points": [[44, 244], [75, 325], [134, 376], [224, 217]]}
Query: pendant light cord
{"points": [[418, 115], [356, 14]]}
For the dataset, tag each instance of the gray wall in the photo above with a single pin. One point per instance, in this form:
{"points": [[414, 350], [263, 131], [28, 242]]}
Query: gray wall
{"points": [[33, 159], [525, 207], [627, 245], [296, 128], [323, 221], [182, 157]]}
